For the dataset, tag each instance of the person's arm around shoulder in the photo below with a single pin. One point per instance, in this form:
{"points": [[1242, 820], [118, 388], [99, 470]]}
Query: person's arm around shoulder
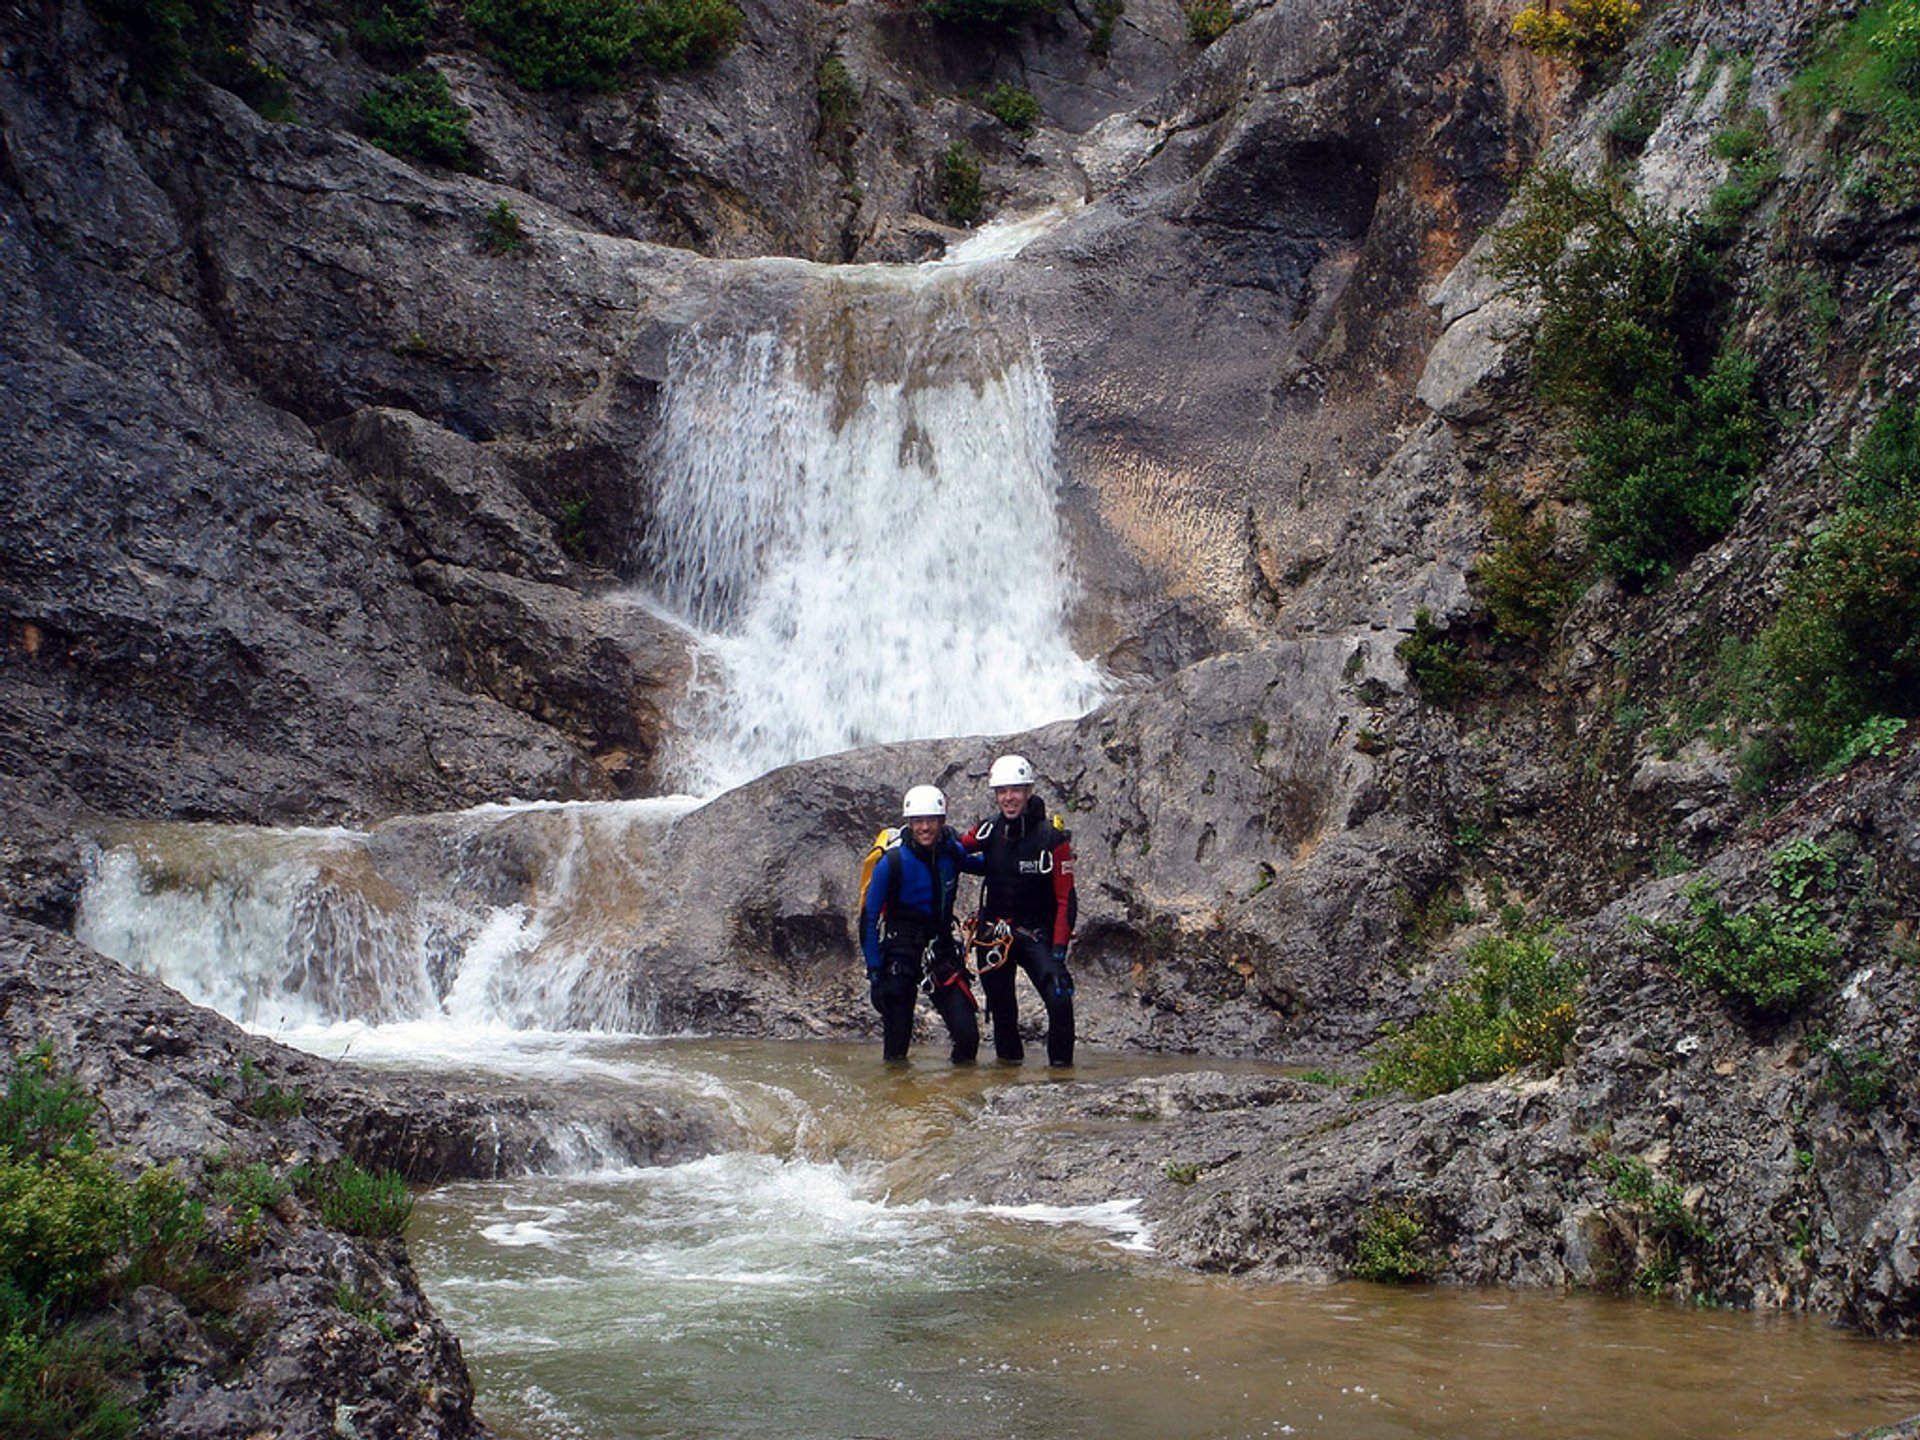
{"points": [[1062, 896], [969, 854]]}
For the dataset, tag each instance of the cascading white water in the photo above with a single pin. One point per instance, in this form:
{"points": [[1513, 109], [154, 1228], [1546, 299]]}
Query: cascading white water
{"points": [[856, 509], [501, 918]]}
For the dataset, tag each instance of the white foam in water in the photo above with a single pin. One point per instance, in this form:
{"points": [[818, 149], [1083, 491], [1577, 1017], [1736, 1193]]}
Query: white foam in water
{"points": [[314, 936], [1120, 1218], [861, 526]]}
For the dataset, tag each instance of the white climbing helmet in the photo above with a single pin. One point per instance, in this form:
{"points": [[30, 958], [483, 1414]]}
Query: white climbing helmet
{"points": [[923, 800], [1010, 770]]}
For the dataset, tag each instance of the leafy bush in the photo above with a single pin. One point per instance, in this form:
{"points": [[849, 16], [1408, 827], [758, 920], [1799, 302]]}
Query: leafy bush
{"points": [[1207, 20], [1515, 1007], [1664, 420], [1667, 474], [1012, 106], [1391, 1247], [1583, 31], [415, 115], [1660, 1206], [500, 232], [264, 87], [1106, 15], [675, 35], [74, 1233], [560, 44], [1770, 961], [1844, 649], [1524, 584], [1871, 69], [62, 1220], [162, 37], [353, 1200], [838, 95], [56, 1385], [990, 16], [958, 181], [1439, 664], [1858, 1077], [42, 1114], [398, 30]]}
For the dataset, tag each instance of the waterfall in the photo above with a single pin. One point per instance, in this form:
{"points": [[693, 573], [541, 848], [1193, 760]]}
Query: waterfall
{"points": [[856, 510], [506, 917]]}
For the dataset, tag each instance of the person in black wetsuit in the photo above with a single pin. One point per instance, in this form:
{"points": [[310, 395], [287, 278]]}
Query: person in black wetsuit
{"points": [[1028, 860], [906, 930]]}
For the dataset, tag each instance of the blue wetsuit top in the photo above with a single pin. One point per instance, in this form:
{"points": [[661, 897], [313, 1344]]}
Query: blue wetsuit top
{"points": [[905, 872]]}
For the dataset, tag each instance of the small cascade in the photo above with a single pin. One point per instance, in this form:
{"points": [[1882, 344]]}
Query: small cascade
{"points": [[855, 508], [505, 917]]}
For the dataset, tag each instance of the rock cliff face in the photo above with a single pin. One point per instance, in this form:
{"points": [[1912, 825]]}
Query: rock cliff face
{"points": [[317, 506]]}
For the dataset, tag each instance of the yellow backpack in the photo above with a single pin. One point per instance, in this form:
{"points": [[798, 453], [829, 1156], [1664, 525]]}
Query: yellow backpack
{"points": [[885, 840]]}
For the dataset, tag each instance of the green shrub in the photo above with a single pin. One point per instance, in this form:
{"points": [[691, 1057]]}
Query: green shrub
{"points": [[1583, 31], [1438, 664], [1012, 106], [398, 30], [264, 87], [43, 1114], [988, 16], [959, 183], [1392, 1245], [1207, 20], [1631, 126], [74, 1233], [837, 94], [1515, 1007], [560, 44], [415, 116], [500, 232], [1870, 69], [62, 1220], [1523, 583], [1106, 15], [1660, 1207], [57, 1385], [353, 1200], [676, 35], [161, 38], [1668, 474], [1768, 961], [256, 1186], [1665, 422], [1844, 649], [1858, 1077]]}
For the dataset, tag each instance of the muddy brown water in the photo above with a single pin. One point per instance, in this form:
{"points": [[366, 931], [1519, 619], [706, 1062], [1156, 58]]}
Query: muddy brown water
{"points": [[797, 1289]]}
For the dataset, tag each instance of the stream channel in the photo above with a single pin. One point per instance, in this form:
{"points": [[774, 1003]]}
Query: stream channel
{"points": [[801, 1284]]}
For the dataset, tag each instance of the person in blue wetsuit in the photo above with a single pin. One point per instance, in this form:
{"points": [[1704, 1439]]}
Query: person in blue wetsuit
{"points": [[906, 930]]}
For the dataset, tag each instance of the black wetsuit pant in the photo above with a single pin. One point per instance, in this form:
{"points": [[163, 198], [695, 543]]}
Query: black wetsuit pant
{"points": [[1034, 955], [898, 990]]}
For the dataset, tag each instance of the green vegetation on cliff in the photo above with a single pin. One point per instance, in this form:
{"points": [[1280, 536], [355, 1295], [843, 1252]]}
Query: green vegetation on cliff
{"points": [[1844, 650], [74, 1234], [1663, 415], [1513, 1008], [1870, 69], [587, 44], [415, 115]]}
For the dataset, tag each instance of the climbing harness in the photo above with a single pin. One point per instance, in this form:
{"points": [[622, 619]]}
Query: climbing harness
{"points": [[989, 943]]}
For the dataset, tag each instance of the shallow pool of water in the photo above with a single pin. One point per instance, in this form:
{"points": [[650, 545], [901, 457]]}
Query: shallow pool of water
{"points": [[795, 1289]]}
